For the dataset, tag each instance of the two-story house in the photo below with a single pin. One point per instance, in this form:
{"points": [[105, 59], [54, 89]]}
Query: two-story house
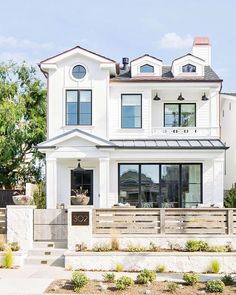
{"points": [[144, 133]]}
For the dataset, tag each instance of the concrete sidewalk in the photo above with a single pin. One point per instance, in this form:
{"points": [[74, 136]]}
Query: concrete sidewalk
{"points": [[34, 280]]}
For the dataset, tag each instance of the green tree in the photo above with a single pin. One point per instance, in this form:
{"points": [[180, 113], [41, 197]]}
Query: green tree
{"points": [[22, 124]]}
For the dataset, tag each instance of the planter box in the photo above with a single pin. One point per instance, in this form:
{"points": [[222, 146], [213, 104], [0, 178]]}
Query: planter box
{"points": [[174, 261], [18, 258]]}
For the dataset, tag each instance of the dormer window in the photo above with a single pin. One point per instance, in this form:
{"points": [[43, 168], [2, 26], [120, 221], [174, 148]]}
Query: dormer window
{"points": [[147, 69], [189, 68]]}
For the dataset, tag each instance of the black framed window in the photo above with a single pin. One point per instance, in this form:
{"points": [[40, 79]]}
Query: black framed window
{"points": [[180, 115], [78, 107], [147, 69], [131, 111], [78, 72], [160, 185], [84, 180], [189, 68]]}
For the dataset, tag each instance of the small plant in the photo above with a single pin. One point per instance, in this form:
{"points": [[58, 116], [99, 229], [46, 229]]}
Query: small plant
{"points": [[115, 245], [228, 280], [172, 287], [136, 248], [146, 276], [79, 280], [124, 283], [161, 268], [2, 246], [191, 278], [218, 249], [7, 260], [109, 277], [215, 266], [229, 247], [119, 267], [153, 247], [103, 247], [80, 247], [196, 245], [14, 246], [214, 286]]}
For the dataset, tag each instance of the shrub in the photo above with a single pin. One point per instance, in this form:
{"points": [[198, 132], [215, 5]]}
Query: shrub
{"points": [[215, 286], [228, 280], [14, 246], [172, 287], [79, 280], [191, 278], [136, 248], [39, 196], [230, 200], [215, 266], [80, 247], [124, 282], [115, 245], [161, 268], [7, 260], [2, 246], [119, 267], [218, 249], [153, 247], [109, 277], [196, 245], [103, 247], [146, 276]]}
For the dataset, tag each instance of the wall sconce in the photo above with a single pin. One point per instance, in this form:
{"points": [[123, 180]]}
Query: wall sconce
{"points": [[180, 97], [204, 97], [78, 168], [156, 97]]}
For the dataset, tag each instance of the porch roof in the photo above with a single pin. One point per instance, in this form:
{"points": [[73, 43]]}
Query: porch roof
{"points": [[193, 144]]}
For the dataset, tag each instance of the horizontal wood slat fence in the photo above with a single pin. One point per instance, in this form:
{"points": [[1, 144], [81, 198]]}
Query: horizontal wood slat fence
{"points": [[50, 225], [164, 221], [3, 221]]}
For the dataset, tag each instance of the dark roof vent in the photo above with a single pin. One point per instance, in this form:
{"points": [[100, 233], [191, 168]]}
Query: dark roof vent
{"points": [[125, 62]]}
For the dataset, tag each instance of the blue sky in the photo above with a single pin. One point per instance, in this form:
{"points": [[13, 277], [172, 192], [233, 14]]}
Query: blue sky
{"points": [[35, 30]]}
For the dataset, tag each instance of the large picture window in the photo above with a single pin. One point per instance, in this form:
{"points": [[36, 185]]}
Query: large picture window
{"points": [[160, 185], [179, 114], [78, 107], [131, 111]]}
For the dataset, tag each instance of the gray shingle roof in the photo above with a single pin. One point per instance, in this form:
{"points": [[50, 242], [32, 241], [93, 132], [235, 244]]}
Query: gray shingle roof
{"points": [[167, 75]]}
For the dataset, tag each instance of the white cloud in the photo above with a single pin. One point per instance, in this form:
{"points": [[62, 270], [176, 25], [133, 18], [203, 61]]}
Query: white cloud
{"points": [[17, 57], [174, 41], [12, 42]]}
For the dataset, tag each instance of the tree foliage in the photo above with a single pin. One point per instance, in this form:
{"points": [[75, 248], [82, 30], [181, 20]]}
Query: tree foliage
{"points": [[22, 124]]}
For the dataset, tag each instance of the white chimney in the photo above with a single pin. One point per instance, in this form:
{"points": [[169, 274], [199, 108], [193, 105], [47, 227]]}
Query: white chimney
{"points": [[202, 48]]}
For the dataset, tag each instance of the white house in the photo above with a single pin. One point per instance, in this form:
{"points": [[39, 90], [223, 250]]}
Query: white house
{"points": [[228, 115], [145, 133]]}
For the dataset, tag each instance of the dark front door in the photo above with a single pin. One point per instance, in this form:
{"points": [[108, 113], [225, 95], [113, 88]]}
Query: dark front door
{"points": [[83, 179]]}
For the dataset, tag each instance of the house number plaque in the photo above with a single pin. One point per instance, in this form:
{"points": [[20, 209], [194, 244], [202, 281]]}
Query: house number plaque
{"points": [[80, 218]]}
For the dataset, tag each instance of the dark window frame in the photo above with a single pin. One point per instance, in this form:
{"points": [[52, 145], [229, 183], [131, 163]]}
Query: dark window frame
{"points": [[78, 107], [80, 78], [179, 110], [141, 110], [180, 199], [195, 68], [144, 72]]}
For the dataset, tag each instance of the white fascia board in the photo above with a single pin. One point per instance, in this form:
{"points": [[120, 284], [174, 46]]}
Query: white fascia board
{"points": [[111, 67], [48, 66]]}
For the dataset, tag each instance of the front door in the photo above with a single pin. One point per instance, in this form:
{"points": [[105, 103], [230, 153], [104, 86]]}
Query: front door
{"points": [[83, 179]]}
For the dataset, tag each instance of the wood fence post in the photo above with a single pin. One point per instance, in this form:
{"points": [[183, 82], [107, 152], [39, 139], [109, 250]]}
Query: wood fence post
{"points": [[230, 221], [162, 221]]}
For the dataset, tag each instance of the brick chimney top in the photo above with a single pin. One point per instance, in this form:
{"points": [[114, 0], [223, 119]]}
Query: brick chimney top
{"points": [[201, 41]]}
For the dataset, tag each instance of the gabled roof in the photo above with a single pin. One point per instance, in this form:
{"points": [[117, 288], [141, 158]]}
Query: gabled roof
{"points": [[188, 54], [145, 55], [74, 49], [57, 140]]}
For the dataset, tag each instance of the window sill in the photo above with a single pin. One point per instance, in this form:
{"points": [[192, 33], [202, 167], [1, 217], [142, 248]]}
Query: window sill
{"points": [[71, 127]]}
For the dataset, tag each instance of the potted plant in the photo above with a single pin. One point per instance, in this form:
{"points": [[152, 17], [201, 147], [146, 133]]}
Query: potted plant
{"points": [[80, 197], [21, 199]]}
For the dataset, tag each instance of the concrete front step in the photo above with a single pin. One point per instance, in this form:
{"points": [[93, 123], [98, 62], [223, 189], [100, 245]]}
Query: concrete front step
{"points": [[50, 244], [47, 252], [46, 260]]}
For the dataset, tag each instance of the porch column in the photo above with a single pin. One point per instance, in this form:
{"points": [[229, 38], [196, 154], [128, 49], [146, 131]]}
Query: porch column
{"points": [[51, 183], [103, 181]]}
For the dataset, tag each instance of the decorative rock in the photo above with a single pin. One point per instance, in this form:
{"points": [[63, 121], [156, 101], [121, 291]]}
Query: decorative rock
{"points": [[148, 292], [148, 284], [104, 287], [202, 292], [181, 286]]}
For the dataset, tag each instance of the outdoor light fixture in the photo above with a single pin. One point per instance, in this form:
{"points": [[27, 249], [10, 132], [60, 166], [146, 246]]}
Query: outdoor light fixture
{"points": [[156, 97], [78, 168], [180, 97], [204, 98]]}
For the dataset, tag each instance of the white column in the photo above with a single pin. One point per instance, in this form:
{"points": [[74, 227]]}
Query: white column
{"points": [[51, 182], [20, 225], [103, 181], [218, 188]]}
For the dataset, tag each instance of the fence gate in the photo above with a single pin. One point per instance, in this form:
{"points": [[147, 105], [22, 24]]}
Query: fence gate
{"points": [[50, 225]]}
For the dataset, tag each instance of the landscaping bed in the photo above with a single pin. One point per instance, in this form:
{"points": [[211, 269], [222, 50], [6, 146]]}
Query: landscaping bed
{"points": [[94, 287]]}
